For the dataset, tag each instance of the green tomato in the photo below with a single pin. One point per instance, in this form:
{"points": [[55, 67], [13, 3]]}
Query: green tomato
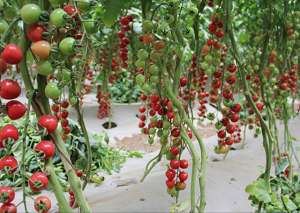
{"points": [[83, 5], [44, 68], [208, 58], [147, 88], [140, 79], [64, 75], [66, 46], [140, 63], [154, 79], [30, 13], [52, 91], [3, 26], [56, 3], [142, 54], [153, 69], [166, 124], [165, 133], [147, 26], [90, 26], [58, 17]]}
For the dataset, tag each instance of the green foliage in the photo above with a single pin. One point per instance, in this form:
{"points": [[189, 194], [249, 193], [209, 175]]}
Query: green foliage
{"points": [[112, 9], [124, 90], [105, 158], [283, 196]]}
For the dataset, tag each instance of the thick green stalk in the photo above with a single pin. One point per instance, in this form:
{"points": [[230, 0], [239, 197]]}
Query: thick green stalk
{"points": [[190, 124], [64, 207], [40, 107], [268, 140], [195, 166], [84, 132], [87, 142], [57, 188], [73, 179]]}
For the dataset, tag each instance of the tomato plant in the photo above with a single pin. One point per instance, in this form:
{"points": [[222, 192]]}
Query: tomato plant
{"points": [[179, 58]]}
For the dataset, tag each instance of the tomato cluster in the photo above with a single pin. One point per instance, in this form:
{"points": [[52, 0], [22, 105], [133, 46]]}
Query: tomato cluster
{"points": [[61, 112], [124, 40], [104, 105]]}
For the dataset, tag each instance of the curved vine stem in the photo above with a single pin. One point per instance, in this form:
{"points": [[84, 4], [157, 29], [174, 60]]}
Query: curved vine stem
{"points": [[268, 138], [190, 124], [150, 165], [195, 166], [84, 132]]}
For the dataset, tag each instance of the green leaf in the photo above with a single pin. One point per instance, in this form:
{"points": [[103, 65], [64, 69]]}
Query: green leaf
{"points": [[259, 190], [288, 203], [112, 10], [284, 163], [297, 198]]}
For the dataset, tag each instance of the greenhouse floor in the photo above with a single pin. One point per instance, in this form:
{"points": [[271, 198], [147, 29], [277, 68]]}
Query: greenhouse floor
{"points": [[225, 183], [123, 192]]}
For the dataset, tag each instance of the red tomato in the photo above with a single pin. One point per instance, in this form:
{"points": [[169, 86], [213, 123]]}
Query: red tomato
{"points": [[38, 181], [46, 147], [70, 10], [9, 163], [184, 164], [183, 81], [8, 132], [49, 122], [183, 176], [12, 54], [174, 164], [174, 150], [15, 109], [8, 208], [7, 194], [170, 184], [42, 204], [9, 89], [170, 174], [35, 32]]}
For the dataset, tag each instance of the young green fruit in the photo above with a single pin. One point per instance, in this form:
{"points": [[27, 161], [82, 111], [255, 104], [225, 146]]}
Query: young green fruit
{"points": [[83, 5], [3, 26], [52, 91], [58, 17], [66, 46], [30, 13], [44, 68], [63, 75], [90, 26]]}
